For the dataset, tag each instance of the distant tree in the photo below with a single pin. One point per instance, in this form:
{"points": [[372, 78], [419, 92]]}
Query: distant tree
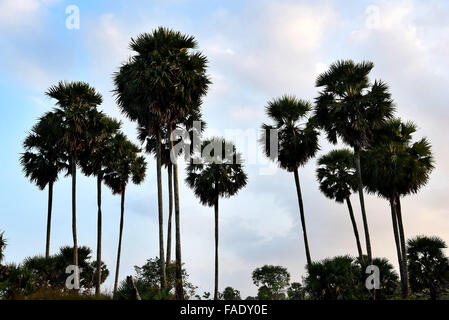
{"points": [[230, 293], [333, 279], [349, 107], [272, 282], [3, 244], [428, 266], [220, 175], [296, 291], [336, 176], [297, 143]]}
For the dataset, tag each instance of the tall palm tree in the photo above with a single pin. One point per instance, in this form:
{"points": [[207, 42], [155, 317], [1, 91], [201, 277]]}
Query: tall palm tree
{"points": [[77, 112], [42, 160], [188, 125], [216, 174], [95, 160], [127, 164], [157, 87], [349, 107], [336, 176], [395, 166], [297, 140]]}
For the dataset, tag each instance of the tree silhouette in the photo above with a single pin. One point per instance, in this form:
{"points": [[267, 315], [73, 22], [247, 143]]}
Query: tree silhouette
{"points": [[297, 141], [349, 107], [43, 160], [218, 173], [337, 181]]}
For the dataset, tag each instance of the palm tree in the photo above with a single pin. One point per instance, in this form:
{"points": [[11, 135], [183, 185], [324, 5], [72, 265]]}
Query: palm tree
{"points": [[42, 160], [297, 139], [95, 161], [188, 124], [218, 173], [337, 181], [156, 88], [127, 164], [395, 166], [429, 267], [349, 107], [2, 245]]}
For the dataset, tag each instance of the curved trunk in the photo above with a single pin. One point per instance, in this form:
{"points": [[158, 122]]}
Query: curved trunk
{"points": [[161, 214], [396, 235], [216, 251], [303, 220], [362, 204], [50, 205], [179, 281], [170, 214], [99, 224], [117, 266], [75, 239], [354, 227], [405, 285]]}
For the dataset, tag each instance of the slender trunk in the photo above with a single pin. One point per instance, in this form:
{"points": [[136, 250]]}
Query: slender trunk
{"points": [[75, 239], [161, 214], [396, 235], [354, 226], [216, 250], [303, 220], [362, 204], [179, 281], [405, 284], [170, 214], [99, 226], [122, 217], [50, 205]]}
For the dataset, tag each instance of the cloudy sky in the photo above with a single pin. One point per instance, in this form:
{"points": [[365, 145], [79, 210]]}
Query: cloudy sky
{"points": [[257, 50]]}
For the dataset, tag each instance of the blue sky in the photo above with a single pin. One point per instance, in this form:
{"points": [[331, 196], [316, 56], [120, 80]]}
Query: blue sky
{"points": [[257, 50]]}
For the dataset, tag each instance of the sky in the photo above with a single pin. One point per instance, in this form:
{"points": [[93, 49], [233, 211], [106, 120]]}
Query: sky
{"points": [[257, 50]]}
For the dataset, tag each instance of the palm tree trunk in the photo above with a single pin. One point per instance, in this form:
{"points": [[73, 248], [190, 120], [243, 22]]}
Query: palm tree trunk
{"points": [[354, 226], [396, 235], [362, 204], [50, 205], [216, 250], [303, 220], [405, 284], [99, 226], [170, 214], [75, 239], [179, 282], [161, 214], [117, 266]]}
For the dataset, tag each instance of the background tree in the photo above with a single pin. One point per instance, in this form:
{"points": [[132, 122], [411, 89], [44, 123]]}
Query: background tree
{"points": [[333, 279], [297, 139], [394, 166], [272, 282], [428, 266], [43, 160], [337, 180], [350, 107], [95, 161], [2, 246], [126, 165], [296, 291], [76, 111], [230, 294], [218, 173]]}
